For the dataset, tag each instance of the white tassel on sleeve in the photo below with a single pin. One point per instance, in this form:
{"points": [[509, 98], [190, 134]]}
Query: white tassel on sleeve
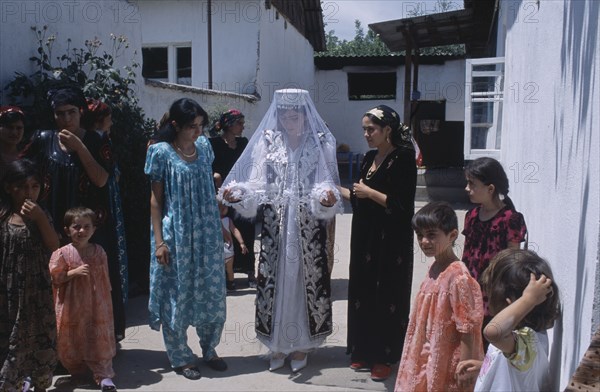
{"points": [[248, 204], [319, 193]]}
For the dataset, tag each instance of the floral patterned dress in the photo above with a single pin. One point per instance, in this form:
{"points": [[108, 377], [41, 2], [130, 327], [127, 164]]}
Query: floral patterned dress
{"points": [[190, 290], [448, 303], [484, 239], [27, 321], [83, 307]]}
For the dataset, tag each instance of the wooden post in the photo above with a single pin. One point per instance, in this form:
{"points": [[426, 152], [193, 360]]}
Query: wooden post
{"points": [[209, 57], [407, 75]]}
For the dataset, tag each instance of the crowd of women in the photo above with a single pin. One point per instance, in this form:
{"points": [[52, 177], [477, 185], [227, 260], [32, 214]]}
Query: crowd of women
{"points": [[64, 265]]}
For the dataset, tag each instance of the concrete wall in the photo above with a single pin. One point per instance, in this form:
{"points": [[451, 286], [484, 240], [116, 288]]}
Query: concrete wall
{"points": [[235, 27], [255, 50], [551, 150], [343, 116], [78, 21], [286, 58]]}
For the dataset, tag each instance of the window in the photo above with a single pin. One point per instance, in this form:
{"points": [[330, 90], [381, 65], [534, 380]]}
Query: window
{"points": [[365, 86], [483, 107], [172, 63]]}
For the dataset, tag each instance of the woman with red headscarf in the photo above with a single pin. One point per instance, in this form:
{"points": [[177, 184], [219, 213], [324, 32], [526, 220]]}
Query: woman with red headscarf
{"points": [[228, 146]]}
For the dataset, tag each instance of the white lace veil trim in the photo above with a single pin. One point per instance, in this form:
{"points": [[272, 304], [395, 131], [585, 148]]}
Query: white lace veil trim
{"points": [[291, 158]]}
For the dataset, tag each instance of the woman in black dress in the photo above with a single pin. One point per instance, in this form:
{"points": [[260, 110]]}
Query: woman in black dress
{"points": [[381, 258], [228, 147], [75, 165]]}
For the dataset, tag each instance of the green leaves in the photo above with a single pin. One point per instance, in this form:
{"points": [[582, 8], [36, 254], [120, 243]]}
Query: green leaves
{"points": [[97, 75]]}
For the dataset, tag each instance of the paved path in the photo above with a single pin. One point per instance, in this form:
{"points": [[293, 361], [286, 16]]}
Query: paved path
{"points": [[142, 364]]}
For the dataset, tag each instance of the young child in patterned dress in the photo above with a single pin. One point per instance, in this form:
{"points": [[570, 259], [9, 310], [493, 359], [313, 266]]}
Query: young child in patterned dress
{"points": [[525, 303], [27, 321], [493, 225], [445, 321], [230, 231], [84, 315]]}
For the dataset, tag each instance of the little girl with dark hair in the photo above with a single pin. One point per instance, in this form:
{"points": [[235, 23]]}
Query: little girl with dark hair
{"points": [[445, 322], [84, 314], [524, 300], [493, 225], [27, 324]]}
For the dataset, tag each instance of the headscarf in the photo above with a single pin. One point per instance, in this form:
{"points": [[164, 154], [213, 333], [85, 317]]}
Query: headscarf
{"points": [[227, 119], [275, 171], [401, 134], [67, 96], [7, 112], [97, 110]]}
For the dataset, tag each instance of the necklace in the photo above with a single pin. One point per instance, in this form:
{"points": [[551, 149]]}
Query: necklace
{"points": [[183, 153], [374, 167], [231, 143]]}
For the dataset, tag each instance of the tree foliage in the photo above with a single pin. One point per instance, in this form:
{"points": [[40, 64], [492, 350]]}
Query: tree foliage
{"points": [[96, 73], [369, 43], [363, 44]]}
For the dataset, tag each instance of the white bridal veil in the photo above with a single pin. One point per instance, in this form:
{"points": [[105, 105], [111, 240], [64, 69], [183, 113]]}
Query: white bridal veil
{"points": [[290, 159]]}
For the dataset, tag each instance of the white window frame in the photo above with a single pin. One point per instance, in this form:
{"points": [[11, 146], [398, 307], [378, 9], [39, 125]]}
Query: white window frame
{"points": [[496, 96], [171, 58]]}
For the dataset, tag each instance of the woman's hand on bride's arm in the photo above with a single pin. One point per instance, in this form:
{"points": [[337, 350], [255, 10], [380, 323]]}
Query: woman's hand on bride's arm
{"points": [[345, 192]]}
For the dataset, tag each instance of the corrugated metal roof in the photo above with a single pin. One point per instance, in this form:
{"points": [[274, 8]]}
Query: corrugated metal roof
{"points": [[306, 16], [470, 26]]}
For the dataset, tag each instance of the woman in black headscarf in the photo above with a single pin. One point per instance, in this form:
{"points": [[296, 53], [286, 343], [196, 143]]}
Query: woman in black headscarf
{"points": [[381, 259], [75, 165]]}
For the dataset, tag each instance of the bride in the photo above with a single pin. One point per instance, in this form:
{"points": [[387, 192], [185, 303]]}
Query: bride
{"points": [[289, 168]]}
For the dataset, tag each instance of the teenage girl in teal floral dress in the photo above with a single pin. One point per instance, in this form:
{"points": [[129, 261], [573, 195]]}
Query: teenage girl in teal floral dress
{"points": [[187, 275]]}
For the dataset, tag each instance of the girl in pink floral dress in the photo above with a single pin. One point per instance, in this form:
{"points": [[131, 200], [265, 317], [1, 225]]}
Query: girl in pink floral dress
{"points": [[84, 317], [445, 321]]}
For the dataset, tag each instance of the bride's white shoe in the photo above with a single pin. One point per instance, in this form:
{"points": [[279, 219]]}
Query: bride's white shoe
{"points": [[299, 364], [276, 363]]}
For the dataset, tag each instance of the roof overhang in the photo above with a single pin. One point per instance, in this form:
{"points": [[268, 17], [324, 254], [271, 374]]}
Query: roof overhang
{"points": [[470, 26], [338, 62]]}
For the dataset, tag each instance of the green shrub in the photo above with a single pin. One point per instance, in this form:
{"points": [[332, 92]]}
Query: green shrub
{"points": [[96, 74]]}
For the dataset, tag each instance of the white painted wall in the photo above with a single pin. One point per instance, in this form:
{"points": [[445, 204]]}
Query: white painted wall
{"points": [[77, 20], [344, 116], [286, 58], [242, 31], [235, 27], [554, 142]]}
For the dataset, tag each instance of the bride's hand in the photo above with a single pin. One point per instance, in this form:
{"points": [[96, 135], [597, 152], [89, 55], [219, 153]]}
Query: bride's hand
{"points": [[228, 196], [328, 200]]}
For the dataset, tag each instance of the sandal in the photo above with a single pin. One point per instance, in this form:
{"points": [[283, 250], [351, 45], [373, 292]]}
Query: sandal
{"points": [[191, 373], [360, 366], [107, 385], [230, 284], [380, 372], [216, 363]]}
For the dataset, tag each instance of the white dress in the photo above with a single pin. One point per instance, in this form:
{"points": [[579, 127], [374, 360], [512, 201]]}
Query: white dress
{"points": [[525, 370], [293, 302]]}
